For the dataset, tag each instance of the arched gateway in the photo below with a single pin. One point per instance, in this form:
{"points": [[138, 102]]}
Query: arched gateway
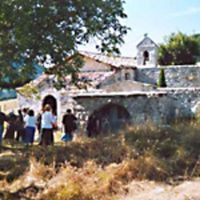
{"points": [[109, 118], [49, 99]]}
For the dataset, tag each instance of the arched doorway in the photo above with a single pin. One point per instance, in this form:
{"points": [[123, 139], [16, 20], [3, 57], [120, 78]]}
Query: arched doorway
{"points": [[52, 102], [145, 57], [108, 119]]}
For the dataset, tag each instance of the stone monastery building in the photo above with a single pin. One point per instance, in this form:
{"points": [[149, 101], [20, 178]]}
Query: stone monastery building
{"points": [[115, 91]]}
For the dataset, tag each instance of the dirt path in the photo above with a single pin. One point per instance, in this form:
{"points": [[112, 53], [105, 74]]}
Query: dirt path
{"points": [[145, 190]]}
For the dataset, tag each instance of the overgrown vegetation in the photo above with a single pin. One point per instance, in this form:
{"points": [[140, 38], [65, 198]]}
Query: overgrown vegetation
{"points": [[179, 49], [29, 91], [100, 168]]}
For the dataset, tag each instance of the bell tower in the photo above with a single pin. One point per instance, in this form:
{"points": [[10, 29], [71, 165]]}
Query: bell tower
{"points": [[147, 52]]}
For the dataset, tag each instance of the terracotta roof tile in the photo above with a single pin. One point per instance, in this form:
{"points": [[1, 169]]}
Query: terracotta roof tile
{"points": [[116, 61]]}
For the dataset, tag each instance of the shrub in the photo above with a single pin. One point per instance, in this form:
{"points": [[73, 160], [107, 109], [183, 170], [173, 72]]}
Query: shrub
{"points": [[161, 80]]}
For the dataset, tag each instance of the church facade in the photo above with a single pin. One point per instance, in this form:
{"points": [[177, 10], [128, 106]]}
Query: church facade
{"points": [[114, 91]]}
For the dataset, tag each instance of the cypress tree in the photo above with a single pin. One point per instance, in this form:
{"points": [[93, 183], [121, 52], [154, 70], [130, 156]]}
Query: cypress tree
{"points": [[161, 80]]}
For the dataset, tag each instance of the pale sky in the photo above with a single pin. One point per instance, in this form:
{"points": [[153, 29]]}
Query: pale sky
{"points": [[158, 18]]}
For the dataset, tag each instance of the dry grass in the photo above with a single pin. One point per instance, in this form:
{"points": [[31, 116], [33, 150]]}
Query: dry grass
{"points": [[100, 168]]}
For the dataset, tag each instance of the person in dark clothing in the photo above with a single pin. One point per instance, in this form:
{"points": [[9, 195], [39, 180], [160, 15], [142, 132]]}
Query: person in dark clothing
{"points": [[10, 131], [2, 120], [93, 126], [20, 126], [21, 118], [69, 123], [38, 122]]}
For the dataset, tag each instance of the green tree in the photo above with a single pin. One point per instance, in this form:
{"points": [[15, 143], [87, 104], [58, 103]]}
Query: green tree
{"points": [[179, 49], [161, 80], [36, 32], [197, 38]]}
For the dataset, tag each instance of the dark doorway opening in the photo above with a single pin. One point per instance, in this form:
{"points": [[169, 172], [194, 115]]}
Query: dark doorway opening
{"points": [[108, 119], [145, 57], [127, 76], [52, 102]]}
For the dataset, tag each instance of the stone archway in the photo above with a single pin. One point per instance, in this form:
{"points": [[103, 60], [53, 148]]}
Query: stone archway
{"points": [[108, 119], [49, 99], [145, 57]]}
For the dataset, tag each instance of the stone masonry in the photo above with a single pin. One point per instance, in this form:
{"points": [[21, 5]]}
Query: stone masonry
{"points": [[176, 76], [153, 107]]}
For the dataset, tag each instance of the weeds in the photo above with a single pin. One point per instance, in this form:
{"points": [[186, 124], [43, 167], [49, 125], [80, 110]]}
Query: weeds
{"points": [[100, 168]]}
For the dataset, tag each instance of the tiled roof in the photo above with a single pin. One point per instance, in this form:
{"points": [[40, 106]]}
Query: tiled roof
{"points": [[88, 77], [94, 77], [115, 61]]}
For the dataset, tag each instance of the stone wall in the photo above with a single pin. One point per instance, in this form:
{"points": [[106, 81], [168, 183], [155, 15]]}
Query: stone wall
{"points": [[156, 107], [188, 98], [119, 76], [142, 107], [176, 76]]}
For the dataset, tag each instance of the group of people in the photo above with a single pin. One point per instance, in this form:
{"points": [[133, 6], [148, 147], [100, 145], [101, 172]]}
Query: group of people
{"points": [[22, 127]]}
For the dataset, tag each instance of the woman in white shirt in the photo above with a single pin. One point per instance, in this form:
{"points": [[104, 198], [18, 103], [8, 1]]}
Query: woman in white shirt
{"points": [[47, 122], [30, 126]]}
